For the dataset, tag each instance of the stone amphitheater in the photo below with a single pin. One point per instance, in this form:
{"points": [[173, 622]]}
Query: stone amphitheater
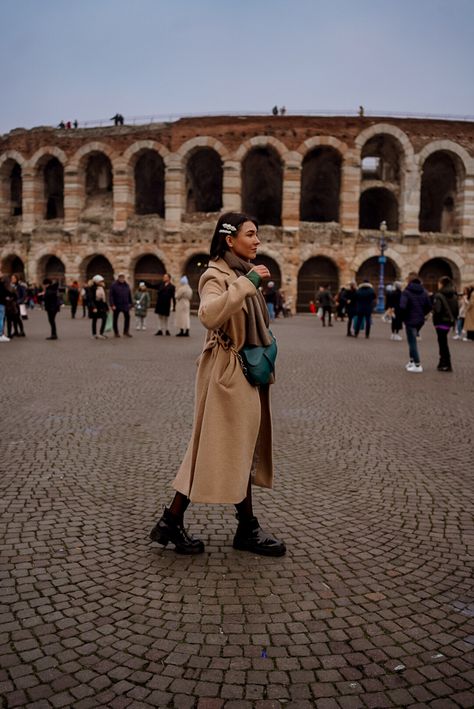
{"points": [[144, 199]]}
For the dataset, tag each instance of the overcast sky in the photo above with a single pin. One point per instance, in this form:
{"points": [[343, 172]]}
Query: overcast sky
{"points": [[87, 59]]}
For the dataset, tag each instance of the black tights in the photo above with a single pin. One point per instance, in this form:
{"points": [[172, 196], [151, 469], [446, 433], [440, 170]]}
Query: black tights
{"points": [[244, 509]]}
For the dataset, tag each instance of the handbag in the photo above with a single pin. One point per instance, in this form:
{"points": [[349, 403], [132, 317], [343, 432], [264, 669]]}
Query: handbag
{"points": [[258, 363], [109, 322]]}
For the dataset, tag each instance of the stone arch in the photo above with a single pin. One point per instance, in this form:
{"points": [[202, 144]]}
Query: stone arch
{"points": [[12, 263], [321, 185], [262, 184], [261, 141], [204, 175], [194, 267], [11, 187], [448, 146], [316, 271], [378, 204], [51, 266], [79, 158], [94, 264], [369, 270], [47, 151], [13, 155], [396, 258], [148, 267], [442, 192], [319, 141], [387, 129], [202, 141], [434, 268], [131, 154], [149, 182], [52, 177]]}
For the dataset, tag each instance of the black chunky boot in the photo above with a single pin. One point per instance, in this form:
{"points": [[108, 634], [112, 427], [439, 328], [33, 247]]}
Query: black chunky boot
{"points": [[251, 537], [170, 529]]}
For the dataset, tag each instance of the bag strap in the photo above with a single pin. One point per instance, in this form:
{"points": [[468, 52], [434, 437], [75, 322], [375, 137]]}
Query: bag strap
{"points": [[444, 300]]}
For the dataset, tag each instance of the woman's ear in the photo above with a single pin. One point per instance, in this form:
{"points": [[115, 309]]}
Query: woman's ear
{"points": [[229, 242]]}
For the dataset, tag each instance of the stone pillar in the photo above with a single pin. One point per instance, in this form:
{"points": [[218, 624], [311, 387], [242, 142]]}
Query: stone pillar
{"points": [[350, 193], [232, 187], [73, 199], [467, 218], [410, 207], [290, 217], [120, 198], [28, 200], [174, 187]]}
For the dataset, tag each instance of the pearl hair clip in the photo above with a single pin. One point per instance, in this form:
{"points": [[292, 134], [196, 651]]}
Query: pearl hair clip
{"points": [[227, 229]]}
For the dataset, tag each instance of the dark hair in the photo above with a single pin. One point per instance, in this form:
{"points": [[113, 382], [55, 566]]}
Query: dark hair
{"points": [[219, 244], [47, 281], [446, 282]]}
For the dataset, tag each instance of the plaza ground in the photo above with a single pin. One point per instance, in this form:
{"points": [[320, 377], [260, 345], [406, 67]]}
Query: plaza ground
{"points": [[371, 607]]}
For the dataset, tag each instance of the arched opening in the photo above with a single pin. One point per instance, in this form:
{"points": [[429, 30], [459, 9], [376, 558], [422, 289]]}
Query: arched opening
{"points": [[150, 269], [195, 267], [381, 159], [11, 188], [13, 264], [273, 267], [53, 182], [320, 186], [376, 205], [98, 265], [204, 177], [98, 181], [315, 272], [434, 269], [150, 184], [440, 194], [262, 185], [370, 271], [52, 267]]}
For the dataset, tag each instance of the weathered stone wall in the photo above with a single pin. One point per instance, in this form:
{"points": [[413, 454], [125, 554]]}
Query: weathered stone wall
{"points": [[106, 222]]}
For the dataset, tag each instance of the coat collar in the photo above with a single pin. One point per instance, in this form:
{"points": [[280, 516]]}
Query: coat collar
{"points": [[222, 266]]}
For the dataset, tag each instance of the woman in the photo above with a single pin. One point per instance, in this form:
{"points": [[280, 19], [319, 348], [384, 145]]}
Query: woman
{"points": [[141, 301], [52, 304], [445, 313], [231, 443], [463, 300], [20, 292], [98, 306], [469, 317], [183, 296]]}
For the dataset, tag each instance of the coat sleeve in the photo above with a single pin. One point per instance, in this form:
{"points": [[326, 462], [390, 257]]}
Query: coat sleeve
{"points": [[218, 304]]}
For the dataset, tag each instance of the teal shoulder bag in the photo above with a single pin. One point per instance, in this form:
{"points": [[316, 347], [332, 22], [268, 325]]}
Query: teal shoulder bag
{"points": [[258, 363]]}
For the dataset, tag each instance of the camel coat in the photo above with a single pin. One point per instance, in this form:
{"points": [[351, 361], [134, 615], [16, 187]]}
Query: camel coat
{"points": [[469, 317], [182, 319], [232, 431]]}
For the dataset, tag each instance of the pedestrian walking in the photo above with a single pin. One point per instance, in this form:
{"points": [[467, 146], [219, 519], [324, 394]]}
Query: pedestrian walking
{"points": [[415, 305], [445, 313], [120, 299], [183, 296], [97, 299], [325, 302], [341, 303], [3, 302], [469, 317], [142, 302], [365, 300], [393, 307], [351, 306], [85, 297], [20, 312], [231, 444], [52, 304], [73, 296], [270, 296], [166, 297], [463, 299]]}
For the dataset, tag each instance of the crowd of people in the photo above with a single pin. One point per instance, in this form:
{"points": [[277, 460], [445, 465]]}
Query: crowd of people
{"points": [[409, 307]]}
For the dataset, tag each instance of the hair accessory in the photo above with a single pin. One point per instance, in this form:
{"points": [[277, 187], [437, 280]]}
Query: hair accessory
{"points": [[227, 229]]}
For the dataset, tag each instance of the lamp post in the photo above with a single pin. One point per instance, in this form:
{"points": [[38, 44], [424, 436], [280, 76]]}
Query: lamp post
{"points": [[382, 260]]}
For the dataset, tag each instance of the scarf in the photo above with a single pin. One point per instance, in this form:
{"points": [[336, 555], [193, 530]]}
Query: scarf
{"points": [[257, 321]]}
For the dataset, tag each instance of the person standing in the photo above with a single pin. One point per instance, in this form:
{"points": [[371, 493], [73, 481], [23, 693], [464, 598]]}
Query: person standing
{"points": [[142, 302], [3, 302], [351, 306], [19, 289], [73, 296], [325, 302], [393, 306], [231, 445], [270, 299], [85, 297], [51, 304], [120, 298], [415, 305], [462, 305], [184, 294], [469, 317], [445, 313], [166, 296], [365, 301], [98, 307]]}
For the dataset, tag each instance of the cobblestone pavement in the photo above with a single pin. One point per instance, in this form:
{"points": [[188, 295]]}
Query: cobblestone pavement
{"points": [[371, 607]]}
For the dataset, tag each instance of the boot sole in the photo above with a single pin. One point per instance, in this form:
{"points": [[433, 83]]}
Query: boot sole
{"points": [[260, 550], [162, 539]]}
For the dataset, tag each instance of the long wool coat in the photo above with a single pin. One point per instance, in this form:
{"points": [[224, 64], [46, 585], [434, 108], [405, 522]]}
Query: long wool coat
{"points": [[232, 419], [184, 294], [469, 318]]}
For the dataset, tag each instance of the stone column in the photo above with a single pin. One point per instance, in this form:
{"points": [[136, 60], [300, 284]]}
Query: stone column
{"points": [[28, 200], [410, 207], [120, 198], [350, 193], [290, 217], [467, 218], [232, 186], [73, 199], [174, 187]]}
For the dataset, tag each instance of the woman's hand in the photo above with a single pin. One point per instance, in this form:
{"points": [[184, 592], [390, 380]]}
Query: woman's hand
{"points": [[262, 271]]}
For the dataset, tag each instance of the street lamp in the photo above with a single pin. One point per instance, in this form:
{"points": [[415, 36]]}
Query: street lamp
{"points": [[382, 260]]}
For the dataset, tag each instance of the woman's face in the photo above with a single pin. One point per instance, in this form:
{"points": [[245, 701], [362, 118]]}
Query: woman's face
{"points": [[246, 242]]}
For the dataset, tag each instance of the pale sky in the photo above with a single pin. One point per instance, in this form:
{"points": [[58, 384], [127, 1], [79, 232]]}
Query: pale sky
{"points": [[88, 59]]}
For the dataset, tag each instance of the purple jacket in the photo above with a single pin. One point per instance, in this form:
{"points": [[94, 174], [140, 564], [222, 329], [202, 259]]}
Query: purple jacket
{"points": [[415, 304], [120, 296]]}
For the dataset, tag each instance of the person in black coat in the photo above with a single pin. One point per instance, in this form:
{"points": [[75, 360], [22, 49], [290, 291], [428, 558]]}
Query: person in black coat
{"points": [[51, 304], [120, 298], [73, 295], [351, 306], [325, 302], [365, 301], [445, 313], [166, 296], [392, 303]]}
